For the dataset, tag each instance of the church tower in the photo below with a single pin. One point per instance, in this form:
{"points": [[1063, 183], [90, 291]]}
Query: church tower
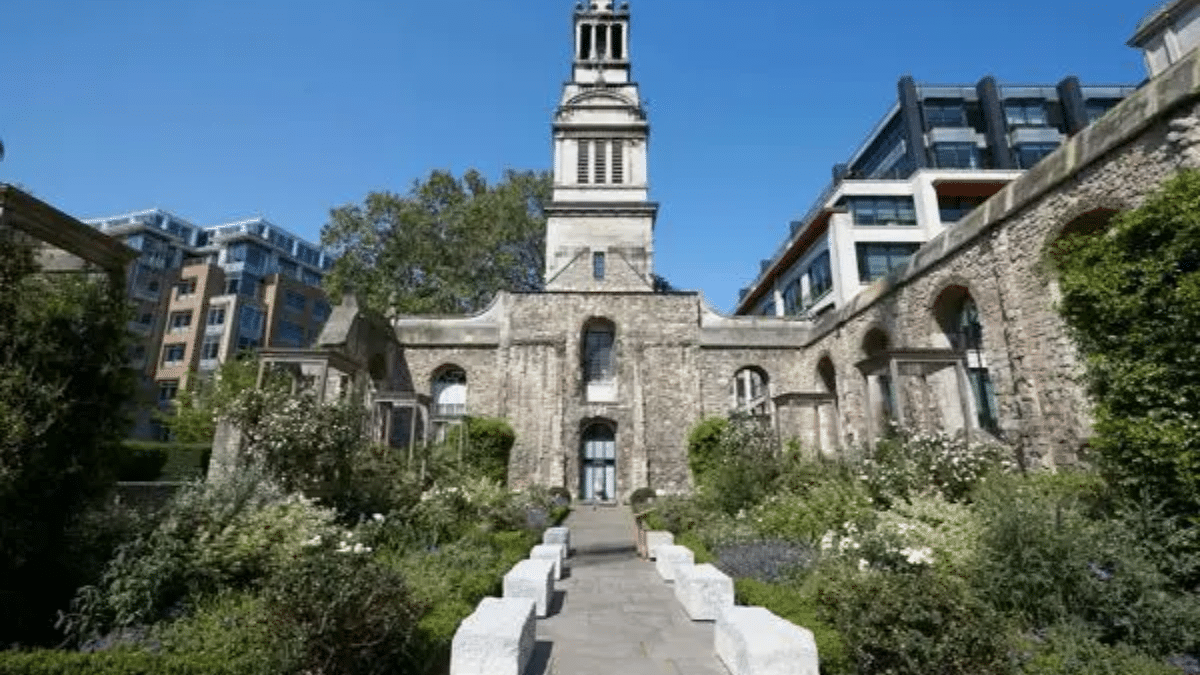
{"points": [[600, 224]]}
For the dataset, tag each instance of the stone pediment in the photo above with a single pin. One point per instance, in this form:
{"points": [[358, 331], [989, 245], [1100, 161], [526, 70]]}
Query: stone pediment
{"points": [[600, 99]]}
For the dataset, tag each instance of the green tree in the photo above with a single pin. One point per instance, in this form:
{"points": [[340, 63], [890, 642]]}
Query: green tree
{"points": [[193, 418], [1131, 297], [63, 385], [446, 247]]}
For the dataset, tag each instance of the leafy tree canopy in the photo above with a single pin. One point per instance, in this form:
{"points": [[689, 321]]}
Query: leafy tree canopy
{"points": [[446, 247], [1131, 297], [63, 385]]}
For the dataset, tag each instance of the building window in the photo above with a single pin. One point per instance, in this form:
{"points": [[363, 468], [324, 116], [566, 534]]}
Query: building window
{"points": [[618, 162], [210, 349], [820, 277], [942, 112], [167, 390], [173, 353], [600, 174], [250, 322], [450, 392], [876, 259], [320, 311], [584, 162], [246, 343], [952, 209], [1029, 154], [1025, 113], [768, 308], [185, 288], [216, 316], [232, 285], [750, 392], [181, 321], [598, 265], [1097, 107], [146, 319], [599, 354], [291, 334], [295, 301], [793, 302], [882, 210], [956, 156]]}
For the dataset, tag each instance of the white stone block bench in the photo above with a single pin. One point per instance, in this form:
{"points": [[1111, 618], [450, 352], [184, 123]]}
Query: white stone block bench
{"points": [[554, 552], [754, 641], [533, 579], [656, 538], [670, 558], [558, 535], [497, 639], [703, 590]]}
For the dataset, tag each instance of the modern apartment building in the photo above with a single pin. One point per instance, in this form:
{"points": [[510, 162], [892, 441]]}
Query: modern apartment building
{"points": [[201, 295], [937, 154]]}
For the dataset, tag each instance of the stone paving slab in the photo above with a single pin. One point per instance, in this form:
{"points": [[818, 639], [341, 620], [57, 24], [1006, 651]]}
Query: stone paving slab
{"points": [[617, 614]]}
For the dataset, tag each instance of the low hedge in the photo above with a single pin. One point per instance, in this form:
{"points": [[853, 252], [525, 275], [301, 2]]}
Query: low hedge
{"points": [[797, 604], [150, 460], [114, 662]]}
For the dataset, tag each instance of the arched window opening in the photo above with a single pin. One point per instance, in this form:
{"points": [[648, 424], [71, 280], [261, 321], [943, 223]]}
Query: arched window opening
{"points": [[600, 360], [1060, 248], [751, 393], [450, 392], [968, 338], [958, 316], [598, 466], [879, 385], [1085, 225]]}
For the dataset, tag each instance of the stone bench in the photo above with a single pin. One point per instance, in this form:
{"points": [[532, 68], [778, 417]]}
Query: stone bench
{"points": [[670, 558], [656, 538], [753, 641], [703, 590], [533, 579], [558, 535], [554, 552], [496, 639]]}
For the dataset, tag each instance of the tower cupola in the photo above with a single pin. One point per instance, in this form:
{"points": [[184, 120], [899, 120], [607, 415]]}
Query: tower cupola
{"points": [[601, 42]]}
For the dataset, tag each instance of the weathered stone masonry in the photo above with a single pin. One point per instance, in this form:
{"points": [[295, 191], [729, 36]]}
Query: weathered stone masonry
{"points": [[674, 359]]}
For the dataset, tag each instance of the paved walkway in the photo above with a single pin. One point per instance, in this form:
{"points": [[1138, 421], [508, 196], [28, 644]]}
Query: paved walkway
{"points": [[614, 614]]}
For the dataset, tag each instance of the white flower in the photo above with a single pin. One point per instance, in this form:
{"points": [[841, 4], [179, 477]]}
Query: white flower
{"points": [[315, 541], [918, 556], [863, 564], [378, 517]]}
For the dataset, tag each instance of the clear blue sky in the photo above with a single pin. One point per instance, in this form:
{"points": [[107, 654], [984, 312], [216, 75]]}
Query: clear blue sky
{"points": [[226, 109]]}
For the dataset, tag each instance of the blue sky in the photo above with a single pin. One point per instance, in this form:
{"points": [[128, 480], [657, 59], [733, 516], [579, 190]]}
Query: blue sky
{"points": [[225, 109]]}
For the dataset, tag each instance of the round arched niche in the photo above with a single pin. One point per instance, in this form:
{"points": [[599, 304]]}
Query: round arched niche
{"points": [[875, 341], [826, 375]]}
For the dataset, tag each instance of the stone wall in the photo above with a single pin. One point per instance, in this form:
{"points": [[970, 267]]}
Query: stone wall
{"points": [[999, 255]]}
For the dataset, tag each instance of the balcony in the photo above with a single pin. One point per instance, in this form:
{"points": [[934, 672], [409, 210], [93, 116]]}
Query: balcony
{"points": [[451, 410]]}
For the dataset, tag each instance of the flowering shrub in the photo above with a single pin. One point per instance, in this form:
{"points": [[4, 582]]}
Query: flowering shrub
{"points": [[805, 517], [908, 463], [224, 535], [304, 444], [929, 528]]}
